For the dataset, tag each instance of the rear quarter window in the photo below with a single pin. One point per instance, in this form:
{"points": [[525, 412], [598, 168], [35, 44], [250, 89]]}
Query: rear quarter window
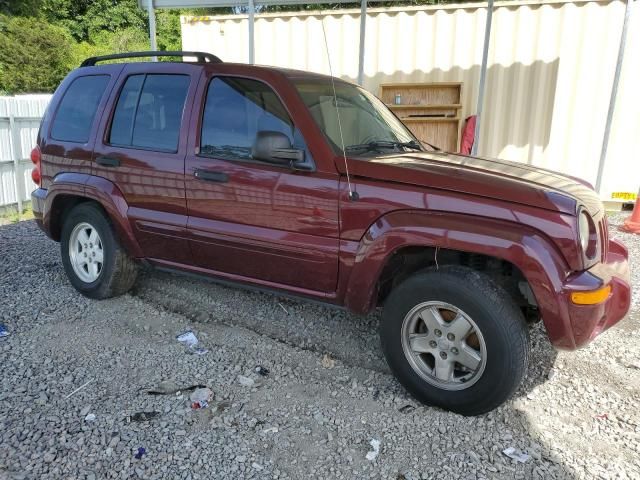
{"points": [[149, 111], [77, 110]]}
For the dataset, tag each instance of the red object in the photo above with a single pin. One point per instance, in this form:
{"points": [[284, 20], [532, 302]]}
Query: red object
{"points": [[468, 132], [297, 231], [36, 157], [632, 224]]}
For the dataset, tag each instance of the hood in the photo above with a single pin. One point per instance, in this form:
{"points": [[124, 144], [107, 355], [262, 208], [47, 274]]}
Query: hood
{"points": [[499, 179]]}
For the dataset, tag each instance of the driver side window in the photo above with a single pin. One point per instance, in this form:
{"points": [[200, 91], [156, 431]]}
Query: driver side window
{"points": [[235, 110]]}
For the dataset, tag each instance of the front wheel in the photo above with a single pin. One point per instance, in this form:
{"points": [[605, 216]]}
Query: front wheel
{"points": [[96, 264], [455, 339]]}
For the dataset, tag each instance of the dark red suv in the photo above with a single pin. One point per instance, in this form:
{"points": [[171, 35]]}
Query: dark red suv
{"points": [[303, 184]]}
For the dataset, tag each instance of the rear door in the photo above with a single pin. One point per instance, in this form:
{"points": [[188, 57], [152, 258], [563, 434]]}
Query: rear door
{"points": [[69, 127], [253, 219], [142, 151]]}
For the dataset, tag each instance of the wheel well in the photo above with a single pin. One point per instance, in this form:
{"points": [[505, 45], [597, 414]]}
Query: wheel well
{"points": [[61, 206], [408, 260]]}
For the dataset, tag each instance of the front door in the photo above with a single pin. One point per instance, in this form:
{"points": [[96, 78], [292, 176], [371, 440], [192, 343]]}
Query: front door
{"points": [[142, 152], [252, 219]]}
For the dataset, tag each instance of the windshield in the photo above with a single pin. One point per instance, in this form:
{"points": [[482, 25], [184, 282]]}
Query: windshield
{"points": [[367, 124]]}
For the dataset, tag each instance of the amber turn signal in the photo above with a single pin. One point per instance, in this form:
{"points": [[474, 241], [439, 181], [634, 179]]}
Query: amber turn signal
{"points": [[592, 297]]}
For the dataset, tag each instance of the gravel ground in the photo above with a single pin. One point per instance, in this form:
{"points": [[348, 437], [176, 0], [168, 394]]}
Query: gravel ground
{"points": [[576, 415]]}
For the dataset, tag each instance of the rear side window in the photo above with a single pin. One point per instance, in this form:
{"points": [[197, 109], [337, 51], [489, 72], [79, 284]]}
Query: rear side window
{"points": [[149, 112], [77, 110]]}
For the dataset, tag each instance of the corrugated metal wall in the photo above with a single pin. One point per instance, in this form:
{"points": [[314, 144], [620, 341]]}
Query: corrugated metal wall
{"points": [[550, 70], [23, 113]]}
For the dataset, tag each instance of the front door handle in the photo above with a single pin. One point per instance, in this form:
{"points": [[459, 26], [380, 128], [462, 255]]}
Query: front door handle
{"points": [[108, 161], [211, 176]]}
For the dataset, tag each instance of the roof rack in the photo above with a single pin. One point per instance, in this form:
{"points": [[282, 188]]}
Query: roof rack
{"points": [[202, 57]]}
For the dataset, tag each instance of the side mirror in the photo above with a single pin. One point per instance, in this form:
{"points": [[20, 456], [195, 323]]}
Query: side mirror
{"points": [[276, 147]]}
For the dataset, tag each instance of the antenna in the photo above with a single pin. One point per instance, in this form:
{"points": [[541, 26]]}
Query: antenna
{"points": [[353, 195]]}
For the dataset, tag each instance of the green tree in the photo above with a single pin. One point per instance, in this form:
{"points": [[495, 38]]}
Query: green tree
{"points": [[34, 56], [22, 8]]}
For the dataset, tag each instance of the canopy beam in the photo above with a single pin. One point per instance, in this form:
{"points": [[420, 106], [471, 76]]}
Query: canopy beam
{"points": [[363, 24], [252, 24], [483, 76], [614, 94]]}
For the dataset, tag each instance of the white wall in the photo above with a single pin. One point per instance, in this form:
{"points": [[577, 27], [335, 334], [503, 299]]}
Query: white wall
{"points": [[551, 67]]}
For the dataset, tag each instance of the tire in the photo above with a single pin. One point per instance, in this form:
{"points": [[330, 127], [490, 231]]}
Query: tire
{"points": [[409, 328], [116, 273]]}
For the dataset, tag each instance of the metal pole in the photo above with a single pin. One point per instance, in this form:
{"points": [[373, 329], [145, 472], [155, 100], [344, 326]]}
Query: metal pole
{"points": [[252, 11], [614, 93], [152, 28], [363, 24], [483, 76]]}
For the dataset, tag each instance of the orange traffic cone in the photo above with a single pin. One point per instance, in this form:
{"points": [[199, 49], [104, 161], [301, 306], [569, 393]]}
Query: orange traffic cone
{"points": [[632, 224]]}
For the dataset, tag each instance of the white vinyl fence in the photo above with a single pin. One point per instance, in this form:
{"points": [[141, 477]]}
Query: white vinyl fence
{"points": [[19, 122]]}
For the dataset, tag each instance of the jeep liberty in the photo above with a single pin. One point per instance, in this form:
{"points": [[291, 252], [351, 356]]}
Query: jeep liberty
{"points": [[307, 185]]}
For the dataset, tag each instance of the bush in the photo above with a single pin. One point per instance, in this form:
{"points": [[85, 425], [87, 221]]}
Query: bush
{"points": [[34, 56]]}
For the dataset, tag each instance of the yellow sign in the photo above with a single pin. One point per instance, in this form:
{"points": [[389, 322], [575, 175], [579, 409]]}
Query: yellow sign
{"points": [[624, 195]]}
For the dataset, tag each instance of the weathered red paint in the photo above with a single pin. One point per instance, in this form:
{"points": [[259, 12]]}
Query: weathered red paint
{"points": [[298, 231]]}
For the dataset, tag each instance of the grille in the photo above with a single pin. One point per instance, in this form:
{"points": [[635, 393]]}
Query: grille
{"points": [[603, 233]]}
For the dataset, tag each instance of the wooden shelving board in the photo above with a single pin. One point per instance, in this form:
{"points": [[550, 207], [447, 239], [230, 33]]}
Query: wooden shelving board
{"points": [[440, 103], [453, 106], [429, 119]]}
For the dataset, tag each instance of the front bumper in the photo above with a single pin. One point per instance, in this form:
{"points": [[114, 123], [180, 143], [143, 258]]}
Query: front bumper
{"points": [[585, 322]]}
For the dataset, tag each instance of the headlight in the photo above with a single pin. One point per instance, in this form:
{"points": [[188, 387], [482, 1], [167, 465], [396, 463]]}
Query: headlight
{"points": [[584, 223], [587, 234]]}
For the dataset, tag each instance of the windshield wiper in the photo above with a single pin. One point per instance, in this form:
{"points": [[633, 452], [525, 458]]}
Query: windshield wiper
{"points": [[380, 144]]}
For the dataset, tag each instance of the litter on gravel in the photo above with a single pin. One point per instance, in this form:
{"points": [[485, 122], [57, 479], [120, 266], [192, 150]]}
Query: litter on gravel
{"points": [[91, 417], [169, 388], [201, 398], [375, 444], [407, 409], [260, 370], [282, 307], [188, 339], [3, 331], [78, 389], [517, 455], [141, 452], [144, 416], [246, 381], [327, 361]]}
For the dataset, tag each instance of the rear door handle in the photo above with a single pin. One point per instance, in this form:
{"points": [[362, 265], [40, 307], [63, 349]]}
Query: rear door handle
{"points": [[108, 161], [211, 176]]}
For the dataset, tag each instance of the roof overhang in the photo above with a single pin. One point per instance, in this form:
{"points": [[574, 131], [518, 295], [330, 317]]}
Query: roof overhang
{"points": [[232, 3]]}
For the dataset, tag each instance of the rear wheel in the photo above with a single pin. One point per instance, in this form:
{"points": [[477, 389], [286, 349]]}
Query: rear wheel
{"points": [[455, 339], [96, 264]]}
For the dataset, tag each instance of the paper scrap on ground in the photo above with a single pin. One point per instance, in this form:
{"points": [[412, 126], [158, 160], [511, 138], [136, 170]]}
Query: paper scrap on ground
{"points": [[246, 381], [327, 361], [375, 444], [516, 454], [189, 339]]}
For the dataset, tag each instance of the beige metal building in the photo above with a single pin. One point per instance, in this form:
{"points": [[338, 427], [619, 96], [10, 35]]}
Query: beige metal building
{"points": [[551, 65]]}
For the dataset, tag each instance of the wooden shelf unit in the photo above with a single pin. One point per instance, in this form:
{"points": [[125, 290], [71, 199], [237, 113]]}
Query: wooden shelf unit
{"points": [[430, 110]]}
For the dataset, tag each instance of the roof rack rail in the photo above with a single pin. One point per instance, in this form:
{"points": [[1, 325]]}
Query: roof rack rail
{"points": [[202, 57]]}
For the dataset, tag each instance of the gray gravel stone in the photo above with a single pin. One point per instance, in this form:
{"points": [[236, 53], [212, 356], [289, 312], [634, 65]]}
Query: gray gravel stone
{"points": [[305, 420]]}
